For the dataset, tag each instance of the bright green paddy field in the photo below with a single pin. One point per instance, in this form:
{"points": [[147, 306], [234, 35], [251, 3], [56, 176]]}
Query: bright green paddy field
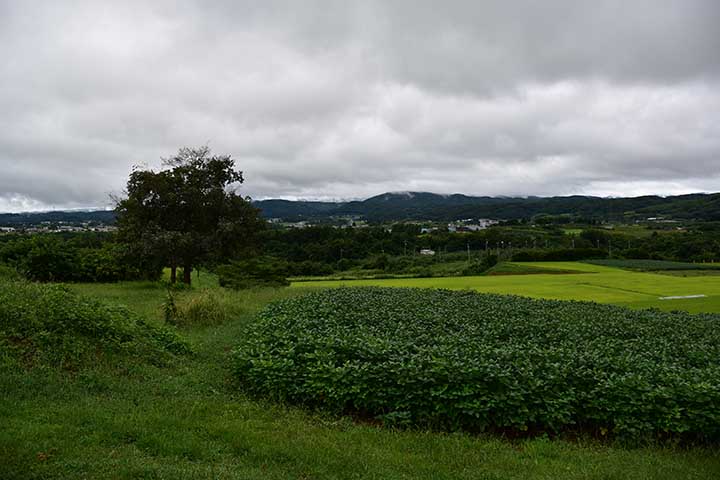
{"points": [[574, 281]]}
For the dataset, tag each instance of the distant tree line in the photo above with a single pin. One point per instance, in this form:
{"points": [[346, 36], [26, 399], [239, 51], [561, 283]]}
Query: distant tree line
{"points": [[101, 257], [188, 215]]}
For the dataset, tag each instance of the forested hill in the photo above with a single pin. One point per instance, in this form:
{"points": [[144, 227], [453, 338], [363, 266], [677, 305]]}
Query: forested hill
{"points": [[75, 217], [431, 206]]}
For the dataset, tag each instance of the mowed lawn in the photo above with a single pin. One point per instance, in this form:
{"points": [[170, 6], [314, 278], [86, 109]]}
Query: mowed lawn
{"points": [[591, 282]]}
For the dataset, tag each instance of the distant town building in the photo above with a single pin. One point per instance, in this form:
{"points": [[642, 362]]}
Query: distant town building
{"points": [[471, 225]]}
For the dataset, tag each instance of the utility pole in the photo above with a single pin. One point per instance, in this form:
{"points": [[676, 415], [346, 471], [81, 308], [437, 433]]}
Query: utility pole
{"points": [[468, 249], [610, 248], [405, 248]]}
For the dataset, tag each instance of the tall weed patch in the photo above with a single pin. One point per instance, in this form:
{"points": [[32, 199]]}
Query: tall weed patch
{"points": [[464, 360], [202, 309]]}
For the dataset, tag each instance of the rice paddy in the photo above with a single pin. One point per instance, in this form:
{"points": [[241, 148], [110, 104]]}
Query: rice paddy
{"points": [[588, 282]]}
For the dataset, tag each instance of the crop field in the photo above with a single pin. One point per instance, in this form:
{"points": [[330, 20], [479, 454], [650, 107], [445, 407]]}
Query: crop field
{"points": [[595, 283], [464, 360]]}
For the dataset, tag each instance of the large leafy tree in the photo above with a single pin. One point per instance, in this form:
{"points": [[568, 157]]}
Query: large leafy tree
{"points": [[188, 213]]}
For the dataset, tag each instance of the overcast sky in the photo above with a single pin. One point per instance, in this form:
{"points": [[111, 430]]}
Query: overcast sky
{"points": [[343, 99]]}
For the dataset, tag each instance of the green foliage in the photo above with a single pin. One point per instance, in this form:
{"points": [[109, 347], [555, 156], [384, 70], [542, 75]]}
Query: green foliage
{"points": [[8, 273], [653, 265], [50, 325], [558, 255], [254, 272], [170, 310], [52, 258], [378, 262], [308, 268], [483, 265], [483, 362]]}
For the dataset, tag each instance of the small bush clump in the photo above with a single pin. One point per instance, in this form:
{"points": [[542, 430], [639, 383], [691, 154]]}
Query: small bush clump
{"points": [[45, 324], [464, 360]]}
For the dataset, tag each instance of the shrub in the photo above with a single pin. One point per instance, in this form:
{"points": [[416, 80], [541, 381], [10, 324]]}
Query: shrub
{"points": [[477, 268], [309, 268], [50, 325], [475, 361], [558, 255], [256, 272], [8, 273], [377, 262]]}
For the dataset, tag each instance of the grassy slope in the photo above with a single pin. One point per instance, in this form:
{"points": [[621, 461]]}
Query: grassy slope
{"points": [[185, 421], [601, 284], [518, 268]]}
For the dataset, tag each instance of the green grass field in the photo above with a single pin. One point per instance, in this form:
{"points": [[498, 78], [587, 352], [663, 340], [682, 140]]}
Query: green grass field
{"points": [[596, 283], [187, 420]]}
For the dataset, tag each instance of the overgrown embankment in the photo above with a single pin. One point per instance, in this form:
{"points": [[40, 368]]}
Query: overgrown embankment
{"points": [[48, 325]]}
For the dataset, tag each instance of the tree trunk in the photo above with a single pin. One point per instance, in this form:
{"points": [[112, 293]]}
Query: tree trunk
{"points": [[173, 274], [187, 271]]}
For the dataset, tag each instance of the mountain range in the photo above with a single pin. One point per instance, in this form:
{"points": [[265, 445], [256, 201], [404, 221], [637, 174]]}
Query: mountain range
{"points": [[397, 206], [431, 206]]}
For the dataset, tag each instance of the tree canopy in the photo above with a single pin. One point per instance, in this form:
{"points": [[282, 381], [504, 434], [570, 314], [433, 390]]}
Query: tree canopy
{"points": [[188, 213]]}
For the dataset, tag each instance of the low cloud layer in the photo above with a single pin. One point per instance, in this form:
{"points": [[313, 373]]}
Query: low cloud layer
{"points": [[339, 100]]}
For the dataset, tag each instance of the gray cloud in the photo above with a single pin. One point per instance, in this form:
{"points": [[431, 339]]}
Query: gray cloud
{"points": [[329, 99]]}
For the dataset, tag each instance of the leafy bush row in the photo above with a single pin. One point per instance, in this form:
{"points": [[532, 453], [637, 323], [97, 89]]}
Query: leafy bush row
{"points": [[42, 324], [652, 265], [558, 255], [464, 360]]}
